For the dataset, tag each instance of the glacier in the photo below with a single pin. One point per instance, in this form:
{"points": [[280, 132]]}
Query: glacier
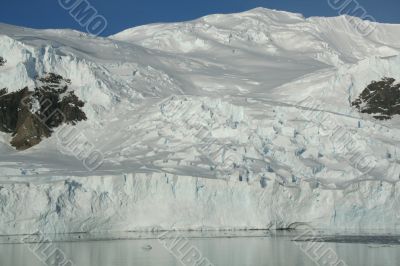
{"points": [[227, 122], [156, 201]]}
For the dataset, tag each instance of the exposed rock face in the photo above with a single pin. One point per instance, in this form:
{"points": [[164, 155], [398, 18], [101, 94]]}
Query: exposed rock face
{"points": [[57, 104], [380, 98], [31, 115], [10, 106], [2, 61]]}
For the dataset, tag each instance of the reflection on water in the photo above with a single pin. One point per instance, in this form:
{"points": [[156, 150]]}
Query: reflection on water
{"points": [[240, 249]]}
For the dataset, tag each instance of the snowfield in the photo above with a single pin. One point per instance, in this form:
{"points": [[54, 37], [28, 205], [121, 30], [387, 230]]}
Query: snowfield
{"points": [[239, 121]]}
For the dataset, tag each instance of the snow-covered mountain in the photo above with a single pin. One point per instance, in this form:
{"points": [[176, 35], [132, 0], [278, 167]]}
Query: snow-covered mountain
{"points": [[226, 122]]}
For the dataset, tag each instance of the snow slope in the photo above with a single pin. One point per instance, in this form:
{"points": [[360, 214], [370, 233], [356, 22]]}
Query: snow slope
{"points": [[226, 122]]}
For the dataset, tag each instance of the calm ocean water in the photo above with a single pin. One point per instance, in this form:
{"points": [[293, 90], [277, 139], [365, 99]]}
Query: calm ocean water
{"points": [[218, 249]]}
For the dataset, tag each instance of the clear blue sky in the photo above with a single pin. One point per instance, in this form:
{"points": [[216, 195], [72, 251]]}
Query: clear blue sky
{"points": [[123, 14]]}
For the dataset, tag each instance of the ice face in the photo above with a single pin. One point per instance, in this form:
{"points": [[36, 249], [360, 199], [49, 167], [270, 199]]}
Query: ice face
{"points": [[228, 121]]}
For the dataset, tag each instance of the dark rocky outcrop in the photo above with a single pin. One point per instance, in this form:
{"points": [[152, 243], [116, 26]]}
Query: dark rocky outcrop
{"points": [[10, 106], [2, 61], [380, 98], [3, 91], [54, 108], [31, 115]]}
